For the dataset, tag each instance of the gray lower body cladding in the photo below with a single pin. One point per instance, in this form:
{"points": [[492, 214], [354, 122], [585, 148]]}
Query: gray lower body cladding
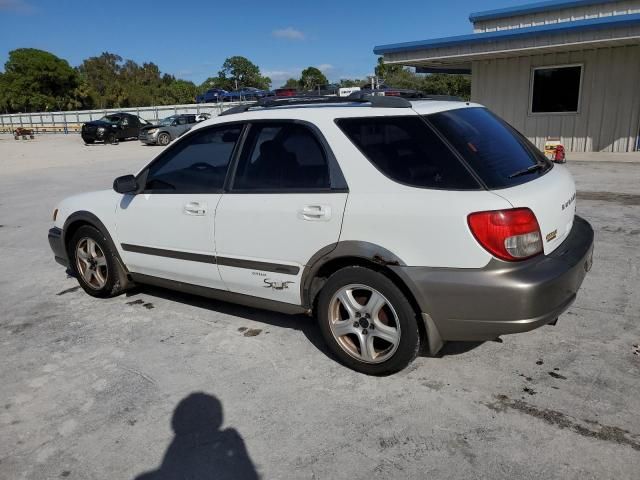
{"points": [[503, 297], [56, 243]]}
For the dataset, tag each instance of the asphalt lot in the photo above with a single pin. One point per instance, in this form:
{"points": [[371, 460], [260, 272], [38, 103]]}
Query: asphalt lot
{"points": [[155, 381]]}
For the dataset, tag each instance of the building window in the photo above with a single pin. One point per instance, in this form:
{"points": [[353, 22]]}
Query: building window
{"points": [[556, 89]]}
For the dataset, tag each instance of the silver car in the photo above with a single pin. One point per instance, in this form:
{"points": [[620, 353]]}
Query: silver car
{"points": [[167, 129]]}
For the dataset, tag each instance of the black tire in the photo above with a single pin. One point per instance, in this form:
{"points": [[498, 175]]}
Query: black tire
{"points": [[408, 345], [111, 139], [114, 275], [164, 139]]}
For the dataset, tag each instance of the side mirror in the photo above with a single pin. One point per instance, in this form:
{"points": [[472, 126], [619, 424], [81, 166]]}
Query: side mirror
{"points": [[125, 184]]}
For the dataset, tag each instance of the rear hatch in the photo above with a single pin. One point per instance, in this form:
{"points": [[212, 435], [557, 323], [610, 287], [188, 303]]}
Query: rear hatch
{"points": [[512, 168]]}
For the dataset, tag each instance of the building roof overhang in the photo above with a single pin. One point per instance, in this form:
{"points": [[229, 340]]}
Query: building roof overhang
{"points": [[460, 51], [532, 8]]}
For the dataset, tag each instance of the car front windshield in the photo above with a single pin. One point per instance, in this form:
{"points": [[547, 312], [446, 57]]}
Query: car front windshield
{"points": [[110, 119], [168, 121]]}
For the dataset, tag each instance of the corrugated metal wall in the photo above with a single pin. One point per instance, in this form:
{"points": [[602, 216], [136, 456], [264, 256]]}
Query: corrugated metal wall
{"points": [[609, 117], [556, 16]]}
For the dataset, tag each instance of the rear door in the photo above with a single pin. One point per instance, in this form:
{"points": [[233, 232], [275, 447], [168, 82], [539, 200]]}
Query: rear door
{"points": [[512, 168], [285, 202]]}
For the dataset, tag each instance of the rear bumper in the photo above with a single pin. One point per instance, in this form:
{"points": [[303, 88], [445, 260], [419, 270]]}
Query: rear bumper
{"points": [[57, 245], [503, 297]]}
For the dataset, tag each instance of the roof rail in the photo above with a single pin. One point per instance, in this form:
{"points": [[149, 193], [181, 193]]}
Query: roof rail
{"points": [[355, 97]]}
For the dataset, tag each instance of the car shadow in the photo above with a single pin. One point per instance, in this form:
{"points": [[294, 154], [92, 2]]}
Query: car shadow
{"points": [[200, 447], [457, 348], [303, 323]]}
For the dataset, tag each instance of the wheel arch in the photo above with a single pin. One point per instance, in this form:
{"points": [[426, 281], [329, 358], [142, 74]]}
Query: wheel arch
{"points": [[81, 218], [333, 257]]}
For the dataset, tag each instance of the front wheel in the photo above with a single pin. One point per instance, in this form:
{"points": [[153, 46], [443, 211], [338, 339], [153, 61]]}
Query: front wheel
{"points": [[94, 263], [164, 139], [367, 321]]}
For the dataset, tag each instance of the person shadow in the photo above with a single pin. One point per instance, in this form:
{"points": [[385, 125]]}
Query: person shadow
{"points": [[200, 450]]}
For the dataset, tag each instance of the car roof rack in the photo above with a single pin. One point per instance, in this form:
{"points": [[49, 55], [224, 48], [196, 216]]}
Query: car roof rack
{"points": [[377, 101]]}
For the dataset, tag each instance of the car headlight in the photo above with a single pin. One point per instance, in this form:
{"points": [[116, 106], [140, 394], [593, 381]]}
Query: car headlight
{"points": [[100, 129], [152, 131]]}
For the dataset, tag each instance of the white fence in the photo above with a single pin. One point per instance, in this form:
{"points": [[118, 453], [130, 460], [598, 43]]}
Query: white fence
{"points": [[71, 122]]}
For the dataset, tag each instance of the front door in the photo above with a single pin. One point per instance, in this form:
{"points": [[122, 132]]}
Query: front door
{"points": [[167, 230], [285, 203]]}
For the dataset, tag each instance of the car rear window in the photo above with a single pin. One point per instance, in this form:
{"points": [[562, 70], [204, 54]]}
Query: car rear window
{"points": [[493, 149], [408, 151]]}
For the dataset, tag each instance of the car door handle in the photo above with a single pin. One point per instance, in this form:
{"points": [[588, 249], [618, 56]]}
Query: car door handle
{"points": [[316, 212], [194, 208]]}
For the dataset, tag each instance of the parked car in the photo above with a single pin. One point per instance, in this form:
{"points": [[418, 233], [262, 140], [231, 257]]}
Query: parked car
{"points": [[286, 92], [211, 95], [395, 223], [112, 127], [167, 129], [246, 93]]}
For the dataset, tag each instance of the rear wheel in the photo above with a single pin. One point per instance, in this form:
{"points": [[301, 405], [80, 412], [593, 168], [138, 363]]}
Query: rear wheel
{"points": [[94, 263], [164, 139], [367, 321]]}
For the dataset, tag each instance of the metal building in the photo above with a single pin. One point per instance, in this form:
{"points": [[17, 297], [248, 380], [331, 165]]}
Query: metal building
{"points": [[553, 69]]}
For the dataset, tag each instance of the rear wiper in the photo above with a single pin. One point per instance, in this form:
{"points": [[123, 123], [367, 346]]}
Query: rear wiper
{"points": [[531, 169]]}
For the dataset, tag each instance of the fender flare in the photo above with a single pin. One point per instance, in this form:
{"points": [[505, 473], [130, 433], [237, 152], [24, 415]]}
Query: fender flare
{"points": [[348, 248], [92, 219]]}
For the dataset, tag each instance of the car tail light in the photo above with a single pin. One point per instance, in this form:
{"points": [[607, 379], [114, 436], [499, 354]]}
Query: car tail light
{"points": [[510, 235]]}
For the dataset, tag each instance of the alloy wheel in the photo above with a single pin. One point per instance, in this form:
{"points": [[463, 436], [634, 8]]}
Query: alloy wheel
{"points": [[91, 263], [364, 323]]}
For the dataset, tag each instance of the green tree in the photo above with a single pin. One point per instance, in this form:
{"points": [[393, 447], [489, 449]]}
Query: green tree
{"points": [[102, 76], [291, 83], [383, 70], [312, 78], [37, 80], [181, 91], [240, 72], [348, 82]]}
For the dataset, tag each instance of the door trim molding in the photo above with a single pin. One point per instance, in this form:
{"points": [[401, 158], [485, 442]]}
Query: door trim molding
{"points": [[225, 261], [161, 252]]}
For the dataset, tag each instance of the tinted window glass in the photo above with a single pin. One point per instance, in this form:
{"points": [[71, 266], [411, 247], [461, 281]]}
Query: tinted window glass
{"points": [[556, 89], [282, 156], [494, 150], [197, 164], [408, 151]]}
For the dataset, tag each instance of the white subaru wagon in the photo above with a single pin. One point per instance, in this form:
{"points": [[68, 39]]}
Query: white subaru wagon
{"points": [[396, 223]]}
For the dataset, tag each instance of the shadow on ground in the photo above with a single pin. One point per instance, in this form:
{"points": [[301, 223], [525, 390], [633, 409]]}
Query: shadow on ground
{"points": [[302, 323], [200, 449]]}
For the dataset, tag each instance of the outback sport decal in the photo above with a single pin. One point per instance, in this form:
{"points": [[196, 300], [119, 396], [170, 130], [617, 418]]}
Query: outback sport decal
{"points": [[276, 285], [566, 204]]}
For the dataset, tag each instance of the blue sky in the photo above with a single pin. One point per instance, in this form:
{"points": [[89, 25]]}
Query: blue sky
{"points": [[191, 39]]}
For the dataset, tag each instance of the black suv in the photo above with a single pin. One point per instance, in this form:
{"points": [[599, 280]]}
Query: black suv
{"points": [[113, 127]]}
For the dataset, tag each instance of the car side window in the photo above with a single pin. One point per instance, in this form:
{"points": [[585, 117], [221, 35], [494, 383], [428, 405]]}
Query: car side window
{"points": [[408, 151], [197, 164], [282, 156], [182, 120], [125, 121]]}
